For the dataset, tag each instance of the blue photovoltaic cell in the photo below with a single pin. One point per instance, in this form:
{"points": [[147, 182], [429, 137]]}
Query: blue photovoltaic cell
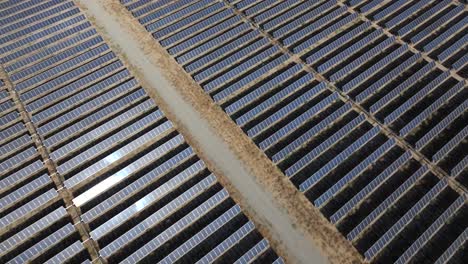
{"points": [[27, 208], [442, 125], [309, 134], [163, 32], [214, 84], [337, 43], [34, 228], [112, 157], [401, 88], [63, 79], [128, 170], [225, 48], [209, 33], [31, 38], [97, 115], [374, 68], [431, 231], [254, 252], [456, 245], [167, 22], [233, 58], [420, 19], [103, 129], [294, 124], [370, 187], [274, 11], [47, 63], [313, 27], [306, 159], [202, 235], [362, 59], [279, 33], [158, 216], [66, 254], [338, 159], [21, 174], [261, 90], [61, 120], [196, 28], [459, 167], [416, 98], [388, 202], [449, 146], [438, 23], [73, 87], [228, 243], [88, 93], [324, 33], [404, 220], [37, 16], [461, 25], [356, 171], [387, 78], [152, 176], [284, 111], [389, 9], [51, 49], [460, 62], [459, 44], [259, 7], [240, 84], [59, 69], [158, 13], [430, 109], [38, 26], [407, 12]]}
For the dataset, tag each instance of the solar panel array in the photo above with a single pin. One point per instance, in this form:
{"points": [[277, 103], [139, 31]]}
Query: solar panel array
{"points": [[80, 135], [349, 118]]}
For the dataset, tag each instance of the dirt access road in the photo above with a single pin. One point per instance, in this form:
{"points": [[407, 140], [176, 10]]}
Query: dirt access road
{"points": [[296, 230]]}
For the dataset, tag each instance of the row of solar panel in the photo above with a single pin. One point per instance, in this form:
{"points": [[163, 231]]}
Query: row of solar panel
{"points": [[137, 183], [328, 150], [384, 77], [33, 223], [437, 27]]}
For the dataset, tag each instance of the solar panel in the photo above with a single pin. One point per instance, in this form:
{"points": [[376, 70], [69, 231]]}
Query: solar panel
{"points": [[389, 201], [215, 42], [413, 212], [187, 220], [370, 187], [204, 234], [436, 24], [306, 159], [457, 244], [443, 124], [430, 109], [254, 253], [431, 231], [292, 106], [416, 98], [309, 134], [307, 115], [338, 159], [355, 172], [228, 243], [168, 25], [249, 78], [297, 85], [423, 17], [400, 89]]}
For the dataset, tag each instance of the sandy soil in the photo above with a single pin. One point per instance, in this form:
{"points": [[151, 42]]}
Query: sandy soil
{"points": [[296, 230]]}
